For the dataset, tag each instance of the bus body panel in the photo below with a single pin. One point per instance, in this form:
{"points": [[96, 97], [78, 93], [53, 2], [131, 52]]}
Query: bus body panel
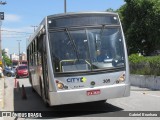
{"points": [[91, 81], [80, 95]]}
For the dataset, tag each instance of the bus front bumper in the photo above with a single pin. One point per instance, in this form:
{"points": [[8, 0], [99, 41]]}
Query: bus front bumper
{"points": [[81, 96]]}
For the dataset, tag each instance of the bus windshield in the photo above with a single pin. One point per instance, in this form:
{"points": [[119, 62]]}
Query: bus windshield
{"points": [[87, 49]]}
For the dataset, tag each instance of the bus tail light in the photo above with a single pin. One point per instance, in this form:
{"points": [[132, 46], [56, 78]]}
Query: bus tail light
{"points": [[121, 78]]}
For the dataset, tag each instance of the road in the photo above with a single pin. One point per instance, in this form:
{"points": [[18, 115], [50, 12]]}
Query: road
{"points": [[141, 99]]}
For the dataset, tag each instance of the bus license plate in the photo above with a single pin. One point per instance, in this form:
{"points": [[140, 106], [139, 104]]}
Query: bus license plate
{"points": [[93, 92]]}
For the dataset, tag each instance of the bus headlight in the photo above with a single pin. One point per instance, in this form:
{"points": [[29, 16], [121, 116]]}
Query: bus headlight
{"points": [[60, 85], [121, 78]]}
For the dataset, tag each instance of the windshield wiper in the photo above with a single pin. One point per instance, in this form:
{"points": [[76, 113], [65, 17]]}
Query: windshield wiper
{"points": [[73, 43], [101, 31]]}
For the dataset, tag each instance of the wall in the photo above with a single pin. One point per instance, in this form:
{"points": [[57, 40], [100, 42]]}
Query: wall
{"points": [[146, 81]]}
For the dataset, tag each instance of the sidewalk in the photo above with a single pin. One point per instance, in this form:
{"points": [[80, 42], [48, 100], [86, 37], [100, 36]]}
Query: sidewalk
{"points": [[1, 93]]}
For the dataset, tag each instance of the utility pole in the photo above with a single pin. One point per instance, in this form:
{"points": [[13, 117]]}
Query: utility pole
{"points": [[65, 6], [0, 44], [1, 18], [19, 45]]}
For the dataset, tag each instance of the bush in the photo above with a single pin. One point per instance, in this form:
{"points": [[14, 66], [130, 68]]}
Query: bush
{"points": [[144, 65]]}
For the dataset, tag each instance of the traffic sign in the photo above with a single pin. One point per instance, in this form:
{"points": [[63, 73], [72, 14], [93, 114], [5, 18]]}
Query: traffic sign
{"points": [[0, 62], [2, 15]]}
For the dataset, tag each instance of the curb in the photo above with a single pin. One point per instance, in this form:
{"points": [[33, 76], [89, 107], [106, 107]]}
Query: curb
{"points": [[1, 93]]}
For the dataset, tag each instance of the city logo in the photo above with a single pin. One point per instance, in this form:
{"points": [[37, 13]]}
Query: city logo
{"points": [[76, 80]]}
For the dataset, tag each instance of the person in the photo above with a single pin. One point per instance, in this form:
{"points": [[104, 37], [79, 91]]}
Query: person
{"points": [[1, 72], [102, 55]]}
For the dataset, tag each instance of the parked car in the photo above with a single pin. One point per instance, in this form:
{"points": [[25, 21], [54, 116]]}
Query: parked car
{"points": [[14, 68], [22, 71], [8, 72]]}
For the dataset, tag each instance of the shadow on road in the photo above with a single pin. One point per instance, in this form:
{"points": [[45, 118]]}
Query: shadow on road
{"points": [[34, 103]]}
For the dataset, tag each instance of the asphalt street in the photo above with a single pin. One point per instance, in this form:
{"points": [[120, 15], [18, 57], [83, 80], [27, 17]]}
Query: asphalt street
{"points": [[141, 99]]}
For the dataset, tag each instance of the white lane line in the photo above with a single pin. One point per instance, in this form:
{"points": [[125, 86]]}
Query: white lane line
{"points": [[147, 94]]}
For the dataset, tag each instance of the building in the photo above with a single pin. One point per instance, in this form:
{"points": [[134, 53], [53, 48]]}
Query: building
{"points": [[14, 56], [23, 56]]}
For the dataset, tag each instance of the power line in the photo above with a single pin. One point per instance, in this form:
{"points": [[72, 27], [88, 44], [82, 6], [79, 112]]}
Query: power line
{"points": [[16, 31], [7, 34], [14, 37], [14, 34]]}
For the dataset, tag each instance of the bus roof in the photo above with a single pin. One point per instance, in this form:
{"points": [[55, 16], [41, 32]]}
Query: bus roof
{"points": [[42, 24], [79, 13]]}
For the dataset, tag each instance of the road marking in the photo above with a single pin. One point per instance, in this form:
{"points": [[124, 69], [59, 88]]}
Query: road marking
{"points": [[147, 94]]}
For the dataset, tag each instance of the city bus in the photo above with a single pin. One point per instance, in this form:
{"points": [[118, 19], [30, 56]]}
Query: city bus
{"points": [[78, 58]]}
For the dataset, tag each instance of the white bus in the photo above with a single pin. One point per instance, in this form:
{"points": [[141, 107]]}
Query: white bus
{"points": [[79, 57]]}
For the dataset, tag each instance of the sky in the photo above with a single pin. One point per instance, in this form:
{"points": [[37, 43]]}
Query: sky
{"points": [[21, 15]]}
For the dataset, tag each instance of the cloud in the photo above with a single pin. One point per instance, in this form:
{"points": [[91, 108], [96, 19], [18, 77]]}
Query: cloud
{"points": [[12, 18], [18, 29]]}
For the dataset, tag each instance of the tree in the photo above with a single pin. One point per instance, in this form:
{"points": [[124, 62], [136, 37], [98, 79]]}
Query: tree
{"points": [[141, 24], [110, 10], [6, 59]]}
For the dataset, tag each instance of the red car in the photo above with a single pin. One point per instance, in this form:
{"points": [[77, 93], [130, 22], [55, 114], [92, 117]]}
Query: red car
{"points": [[22, 71]]}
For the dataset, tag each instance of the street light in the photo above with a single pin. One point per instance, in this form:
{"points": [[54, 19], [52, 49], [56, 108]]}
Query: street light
{"points": [[34, 26], [1, 3], [65, 6], [19, 47]]}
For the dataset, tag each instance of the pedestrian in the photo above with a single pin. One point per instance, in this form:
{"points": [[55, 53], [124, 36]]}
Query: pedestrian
{"points": [[1, 72]]}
